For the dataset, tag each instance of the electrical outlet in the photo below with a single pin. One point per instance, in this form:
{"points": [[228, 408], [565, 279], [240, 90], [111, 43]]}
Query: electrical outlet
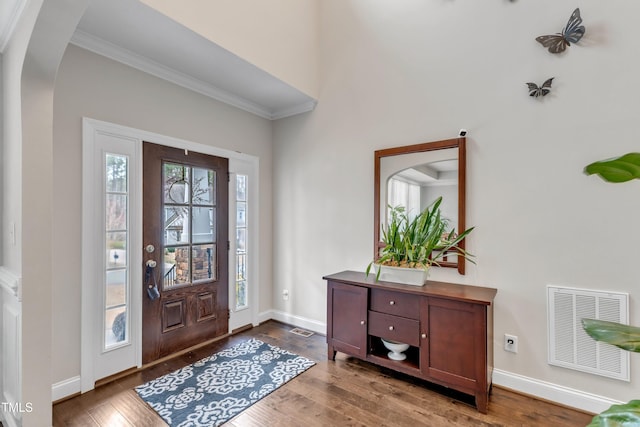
{"points": [[511, 343], [285, 295]]}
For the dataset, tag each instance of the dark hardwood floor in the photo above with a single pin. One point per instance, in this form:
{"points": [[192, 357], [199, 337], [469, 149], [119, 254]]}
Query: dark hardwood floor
{"points": [[346, 392]]}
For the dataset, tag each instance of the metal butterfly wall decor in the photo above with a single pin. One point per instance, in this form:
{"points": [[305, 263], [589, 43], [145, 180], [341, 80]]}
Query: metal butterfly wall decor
{"points": [[572, 33], [543, 90]]}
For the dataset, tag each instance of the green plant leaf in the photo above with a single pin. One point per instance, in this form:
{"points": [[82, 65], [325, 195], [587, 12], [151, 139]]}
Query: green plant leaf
{"points": [[627, 414], [623, 336], [619, 169]]}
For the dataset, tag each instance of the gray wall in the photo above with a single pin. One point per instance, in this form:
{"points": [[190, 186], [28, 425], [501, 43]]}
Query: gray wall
{"points": [[399, 73]]}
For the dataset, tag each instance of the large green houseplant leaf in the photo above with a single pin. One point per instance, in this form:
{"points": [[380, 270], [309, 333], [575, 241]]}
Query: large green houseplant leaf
{"points": [[626, 415], [619, 169], [623, 336]]}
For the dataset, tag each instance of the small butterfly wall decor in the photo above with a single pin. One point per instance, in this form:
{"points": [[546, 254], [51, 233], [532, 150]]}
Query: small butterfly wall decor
{"points": [[543, 90], [571, 33]]}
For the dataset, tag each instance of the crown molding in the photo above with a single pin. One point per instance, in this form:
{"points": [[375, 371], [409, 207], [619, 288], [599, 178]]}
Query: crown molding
{"points": [[144, 64]]}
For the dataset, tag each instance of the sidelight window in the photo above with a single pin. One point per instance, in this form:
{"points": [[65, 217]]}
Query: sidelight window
{"points": [[116, 238], [241, 242]]}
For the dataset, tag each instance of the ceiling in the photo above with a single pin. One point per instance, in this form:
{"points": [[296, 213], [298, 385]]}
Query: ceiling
{"points": [[139, 36]]}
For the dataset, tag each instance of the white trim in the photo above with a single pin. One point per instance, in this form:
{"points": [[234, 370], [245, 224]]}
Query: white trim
{"points": [[142, 63], [553, 392], [65, 388], [305, 107], [291, 319], [11, 283], [92, 267]]}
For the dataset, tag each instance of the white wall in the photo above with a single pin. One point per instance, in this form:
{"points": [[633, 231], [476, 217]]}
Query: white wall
{"points": [[278, 36], [93, 86], [399, 73]]}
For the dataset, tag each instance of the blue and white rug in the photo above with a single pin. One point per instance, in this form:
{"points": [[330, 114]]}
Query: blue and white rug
{"points": [[217, 388]]}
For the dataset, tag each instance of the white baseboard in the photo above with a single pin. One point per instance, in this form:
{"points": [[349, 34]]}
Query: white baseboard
{"points": [[552, 392], [298, 321], [65, 388]]}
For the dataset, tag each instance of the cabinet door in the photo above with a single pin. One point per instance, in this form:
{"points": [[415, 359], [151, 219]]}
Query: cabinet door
{"points": [[347, 319], [453, 343]]}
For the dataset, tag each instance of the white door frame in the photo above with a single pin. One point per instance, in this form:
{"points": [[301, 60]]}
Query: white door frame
{"points": [[91, 127]]}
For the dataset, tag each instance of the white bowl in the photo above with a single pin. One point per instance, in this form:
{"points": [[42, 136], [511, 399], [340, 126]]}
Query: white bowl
{"points": [[396, 348]]}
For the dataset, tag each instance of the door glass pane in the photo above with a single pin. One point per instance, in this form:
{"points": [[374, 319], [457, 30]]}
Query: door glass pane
{"points": [[116, 249], [176, 266], [203, 187], [116, 237], [116, 326], [116, 288], [176, 183], [116, 212], [241, 243], [203, 225], [203, 257], [116, 173], [241, 214], [176, 225]]}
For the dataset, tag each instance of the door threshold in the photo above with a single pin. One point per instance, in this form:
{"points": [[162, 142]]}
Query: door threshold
{"points": [[116, 376], [186, 350]]}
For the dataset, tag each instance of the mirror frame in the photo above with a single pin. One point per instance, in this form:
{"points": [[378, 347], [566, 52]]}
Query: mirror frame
{"points": [[460, 144]]}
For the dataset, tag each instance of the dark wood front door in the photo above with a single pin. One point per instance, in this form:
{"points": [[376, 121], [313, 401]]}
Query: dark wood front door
{"points": [[185, 235]]}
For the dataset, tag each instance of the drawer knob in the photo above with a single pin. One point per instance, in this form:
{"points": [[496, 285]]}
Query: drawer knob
{"points": [[362, 322], [392, 302], [391, 328], [424, 336]]}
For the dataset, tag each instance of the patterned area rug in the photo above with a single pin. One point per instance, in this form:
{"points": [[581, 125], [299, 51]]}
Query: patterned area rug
{"points": [[217, 388]]}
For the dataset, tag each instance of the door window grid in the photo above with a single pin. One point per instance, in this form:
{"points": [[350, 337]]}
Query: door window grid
{"points": [[241, 243], [189, 225], [116, 238]]}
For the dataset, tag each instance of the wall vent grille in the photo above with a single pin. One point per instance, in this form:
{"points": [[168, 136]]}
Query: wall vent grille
{"points": [[569, 346]]}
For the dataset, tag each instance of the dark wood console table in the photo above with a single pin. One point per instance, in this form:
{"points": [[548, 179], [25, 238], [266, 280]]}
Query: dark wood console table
{"points": [[449, 328]]}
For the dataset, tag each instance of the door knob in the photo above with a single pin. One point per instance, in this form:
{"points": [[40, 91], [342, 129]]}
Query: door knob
{"points": [[391, 328], [150, 249], [424, 336], [362, 322], [392, 302]]}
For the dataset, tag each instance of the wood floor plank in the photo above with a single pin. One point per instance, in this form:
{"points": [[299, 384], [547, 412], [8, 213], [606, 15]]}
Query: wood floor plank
{"points": [[107, 415], [347, 392]]}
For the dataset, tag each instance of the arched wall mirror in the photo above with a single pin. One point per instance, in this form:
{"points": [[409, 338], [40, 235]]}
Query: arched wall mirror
{"points": [[414, 176]]}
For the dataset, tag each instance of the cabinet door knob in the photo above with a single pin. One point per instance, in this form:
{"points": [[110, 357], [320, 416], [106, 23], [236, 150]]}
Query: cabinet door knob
{"points": [[362, 322], [424, 336], [392, 302], [391, 328]]}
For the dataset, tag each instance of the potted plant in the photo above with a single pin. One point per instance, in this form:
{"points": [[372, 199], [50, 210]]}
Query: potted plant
{"points": [[416, 244], [620, 169]]}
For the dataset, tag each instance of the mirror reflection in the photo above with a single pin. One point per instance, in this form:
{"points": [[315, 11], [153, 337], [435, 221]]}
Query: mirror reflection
{"points": [[414, 176], [417, 186]]}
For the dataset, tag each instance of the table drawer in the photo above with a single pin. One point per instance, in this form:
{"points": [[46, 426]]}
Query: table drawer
{"points": [[394, 328], [396, 303]]}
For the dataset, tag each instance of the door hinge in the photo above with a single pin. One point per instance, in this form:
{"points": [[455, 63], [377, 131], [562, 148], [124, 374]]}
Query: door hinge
{"points": [[228, 314], [228, 245], [228, 176]]}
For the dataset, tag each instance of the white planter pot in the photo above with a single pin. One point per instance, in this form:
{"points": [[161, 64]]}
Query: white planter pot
{"points": [[408, 276]]}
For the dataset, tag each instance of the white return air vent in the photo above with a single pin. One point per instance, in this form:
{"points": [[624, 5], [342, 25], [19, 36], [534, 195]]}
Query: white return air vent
{"points": [[569, 346]]}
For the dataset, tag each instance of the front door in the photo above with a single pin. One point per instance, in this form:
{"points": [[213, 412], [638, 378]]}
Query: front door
{"points": [[185, 238]]}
